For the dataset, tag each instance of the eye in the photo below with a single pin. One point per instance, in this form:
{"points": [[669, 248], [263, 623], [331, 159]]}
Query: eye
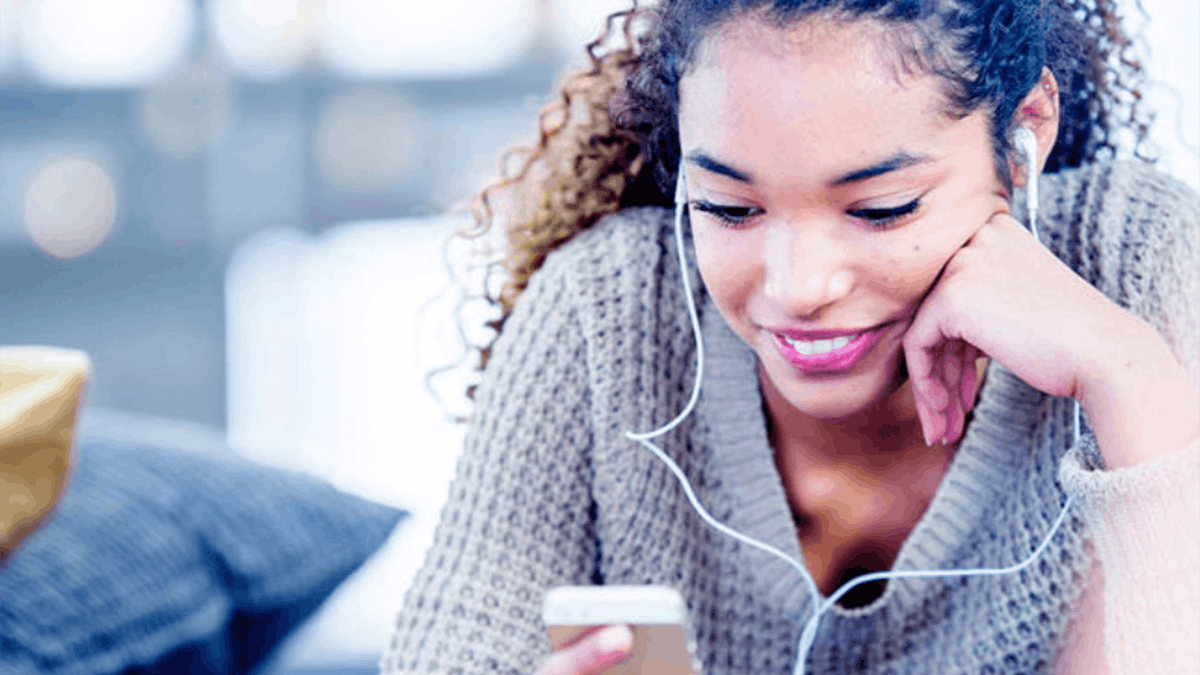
{"points": [[884, 217], [732, 216]]}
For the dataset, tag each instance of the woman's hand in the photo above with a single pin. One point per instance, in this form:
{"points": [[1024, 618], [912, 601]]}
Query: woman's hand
{"points": [[591, 655], [1006, 296]]}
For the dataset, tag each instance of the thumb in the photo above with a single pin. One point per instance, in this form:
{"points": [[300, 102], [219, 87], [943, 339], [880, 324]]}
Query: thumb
{"points": [[593, 654]]}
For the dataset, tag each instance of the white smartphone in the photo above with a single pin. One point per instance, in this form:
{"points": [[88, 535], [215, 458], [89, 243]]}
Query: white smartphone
{"points": [[657, 615]]}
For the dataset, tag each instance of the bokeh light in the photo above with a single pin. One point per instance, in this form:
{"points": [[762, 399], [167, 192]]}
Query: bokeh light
{"points": [[118, 43], [267, 39], [371, 39], [367, 139], [70, 207]]}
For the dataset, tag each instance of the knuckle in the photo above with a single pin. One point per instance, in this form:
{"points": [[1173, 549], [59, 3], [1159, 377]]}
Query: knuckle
{"points": [[1001, 219], [911, 345], [963, 259]]}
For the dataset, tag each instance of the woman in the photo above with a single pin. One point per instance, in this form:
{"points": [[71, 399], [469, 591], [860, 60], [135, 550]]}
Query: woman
{"points": [[850, 172]]}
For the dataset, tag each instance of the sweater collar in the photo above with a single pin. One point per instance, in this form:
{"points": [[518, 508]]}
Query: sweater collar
{"points": [[987, 461]]}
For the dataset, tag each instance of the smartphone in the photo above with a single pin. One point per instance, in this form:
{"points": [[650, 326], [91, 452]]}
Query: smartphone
{"points": [[656, 614]]}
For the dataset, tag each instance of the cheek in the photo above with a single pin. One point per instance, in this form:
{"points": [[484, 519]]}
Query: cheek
{"points": [[729, 262], [913, 261], [908, 270]]}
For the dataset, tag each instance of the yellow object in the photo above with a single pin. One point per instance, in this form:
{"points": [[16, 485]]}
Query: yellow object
{"points": [[40, 392]]}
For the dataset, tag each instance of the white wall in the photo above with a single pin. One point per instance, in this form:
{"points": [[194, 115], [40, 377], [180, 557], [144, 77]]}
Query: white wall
{"points": [[1172, 42], [329, 341]]}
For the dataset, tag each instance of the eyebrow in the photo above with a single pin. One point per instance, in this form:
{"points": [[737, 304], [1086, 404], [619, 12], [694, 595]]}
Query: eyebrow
{"points": [[706, 162], [900, 160]]}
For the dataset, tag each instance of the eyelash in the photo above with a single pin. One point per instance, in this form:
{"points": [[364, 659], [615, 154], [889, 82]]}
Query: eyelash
{"points": [[726, 214], [881, 218], [736, 216]]}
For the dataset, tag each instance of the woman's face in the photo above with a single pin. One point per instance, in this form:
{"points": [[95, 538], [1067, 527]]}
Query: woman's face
{"points": [[845, 190]]}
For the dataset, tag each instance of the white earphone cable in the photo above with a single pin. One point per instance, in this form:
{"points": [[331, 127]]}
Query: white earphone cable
{"points": [[808, 635], [644, 438], [680, 202]]}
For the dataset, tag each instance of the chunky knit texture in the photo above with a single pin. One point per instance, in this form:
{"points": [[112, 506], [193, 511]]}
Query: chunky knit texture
{"points": [[550, 492]]}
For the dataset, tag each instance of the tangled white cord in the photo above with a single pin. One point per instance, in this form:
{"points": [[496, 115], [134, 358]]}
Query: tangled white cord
{"points": [[809, 634]]}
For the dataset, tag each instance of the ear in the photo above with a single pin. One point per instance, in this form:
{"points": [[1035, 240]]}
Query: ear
{"points": [[1038, 112]]}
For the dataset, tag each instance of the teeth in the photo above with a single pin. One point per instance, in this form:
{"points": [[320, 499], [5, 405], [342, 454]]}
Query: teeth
{"points": [[819, 346]]}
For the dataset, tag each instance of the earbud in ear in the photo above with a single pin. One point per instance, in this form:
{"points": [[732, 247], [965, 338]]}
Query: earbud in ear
{"points": [[1026, 144]]}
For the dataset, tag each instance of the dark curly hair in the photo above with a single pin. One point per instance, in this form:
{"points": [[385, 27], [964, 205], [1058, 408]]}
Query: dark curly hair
{"points": [[610, 139]]}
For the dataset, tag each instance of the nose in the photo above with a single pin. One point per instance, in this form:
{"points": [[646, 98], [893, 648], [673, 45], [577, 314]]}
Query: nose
{"points": [[805, 270]]}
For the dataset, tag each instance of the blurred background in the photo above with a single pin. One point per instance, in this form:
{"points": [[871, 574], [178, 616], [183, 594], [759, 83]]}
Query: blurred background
{"points": [[238, 208]]}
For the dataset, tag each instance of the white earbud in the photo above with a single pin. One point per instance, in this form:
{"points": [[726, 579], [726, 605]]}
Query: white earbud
{"points": [[1026, 143]]}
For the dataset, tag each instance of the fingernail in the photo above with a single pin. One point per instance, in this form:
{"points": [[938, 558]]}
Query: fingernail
{"points": [[615, 639]]}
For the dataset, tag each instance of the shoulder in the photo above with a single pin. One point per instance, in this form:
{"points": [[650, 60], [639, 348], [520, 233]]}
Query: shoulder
{"points": [[607, 311], [1112, 218], [1120, 199], [1124, 177], [618, 286], [621, 255], [629, 239], [616, 264], [1132, 232]]}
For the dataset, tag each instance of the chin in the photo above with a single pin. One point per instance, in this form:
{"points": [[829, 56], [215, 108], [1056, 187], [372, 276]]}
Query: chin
{"points": [[834, 396], [832, 409]]}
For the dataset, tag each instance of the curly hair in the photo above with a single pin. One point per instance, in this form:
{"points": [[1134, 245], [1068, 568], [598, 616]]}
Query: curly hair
{"points": [[609, 140]]}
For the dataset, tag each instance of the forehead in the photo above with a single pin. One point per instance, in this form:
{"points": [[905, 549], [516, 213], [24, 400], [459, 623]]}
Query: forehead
{"points": [[827, 91]]}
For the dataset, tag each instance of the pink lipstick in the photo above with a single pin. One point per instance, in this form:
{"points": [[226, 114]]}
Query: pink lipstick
{"points": [[829, 354]]}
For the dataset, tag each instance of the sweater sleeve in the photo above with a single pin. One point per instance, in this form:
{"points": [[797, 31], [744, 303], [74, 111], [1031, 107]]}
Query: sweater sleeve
{"points": [[518, 518], [1145, 518], [1145, 521]]}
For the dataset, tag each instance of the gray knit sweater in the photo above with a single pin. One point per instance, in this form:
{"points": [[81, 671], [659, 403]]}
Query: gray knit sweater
{"points": [[549, 491]]}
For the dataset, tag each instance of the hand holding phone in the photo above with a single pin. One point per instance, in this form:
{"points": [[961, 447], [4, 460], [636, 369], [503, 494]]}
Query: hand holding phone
{"points": [[589, 634], [591, 653]]}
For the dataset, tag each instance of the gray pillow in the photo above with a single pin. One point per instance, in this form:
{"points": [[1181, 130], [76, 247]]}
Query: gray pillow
{"points": [[161, 559]]}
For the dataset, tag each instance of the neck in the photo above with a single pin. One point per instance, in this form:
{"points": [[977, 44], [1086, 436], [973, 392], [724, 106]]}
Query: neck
{"points": [[886, 427], [889, 428]]}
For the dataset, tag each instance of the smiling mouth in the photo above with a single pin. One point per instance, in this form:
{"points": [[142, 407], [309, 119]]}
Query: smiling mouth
{"points": [[829, 354], [808, 347]]}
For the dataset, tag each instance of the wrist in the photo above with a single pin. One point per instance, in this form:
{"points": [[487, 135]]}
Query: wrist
{"points": [[1136, 396]]}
